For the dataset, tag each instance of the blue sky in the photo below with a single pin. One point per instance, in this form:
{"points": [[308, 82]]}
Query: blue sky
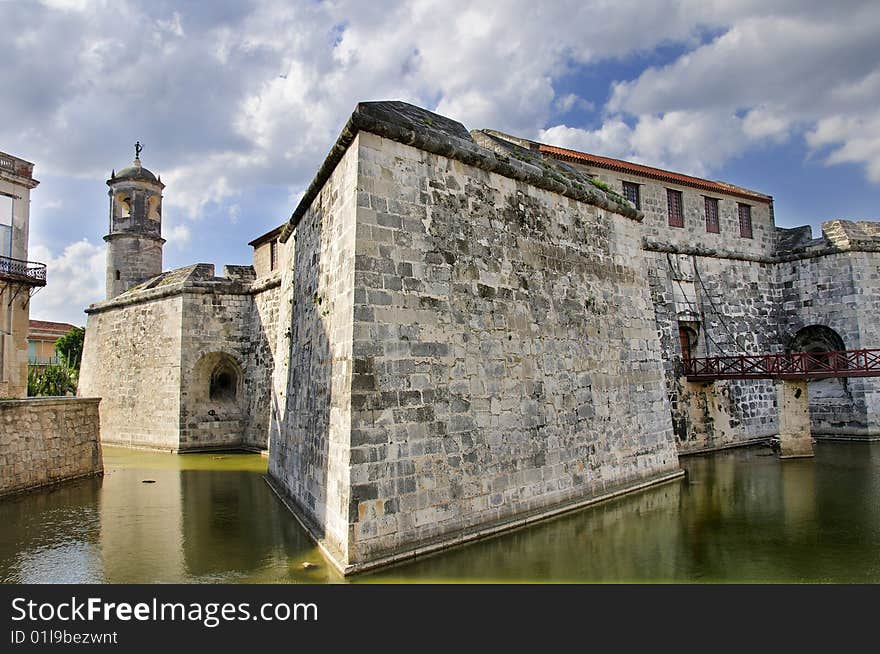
{"points": [[237, 103]]}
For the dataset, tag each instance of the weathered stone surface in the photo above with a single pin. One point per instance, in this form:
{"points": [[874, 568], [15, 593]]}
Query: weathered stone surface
{"points": [[153, 351], [48, 440], [794, 419], [466, 349], [458, 332]]}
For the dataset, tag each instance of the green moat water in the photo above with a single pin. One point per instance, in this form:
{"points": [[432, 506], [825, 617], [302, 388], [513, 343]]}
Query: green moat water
{"points": [[739, 516]]}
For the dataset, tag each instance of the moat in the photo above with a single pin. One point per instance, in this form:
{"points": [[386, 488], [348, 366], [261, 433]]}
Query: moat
{"points": [[739, 516]]}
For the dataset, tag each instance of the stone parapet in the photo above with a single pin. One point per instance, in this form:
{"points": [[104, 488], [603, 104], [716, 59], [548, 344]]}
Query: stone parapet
{"points": [[436, 134], [44, 441]]}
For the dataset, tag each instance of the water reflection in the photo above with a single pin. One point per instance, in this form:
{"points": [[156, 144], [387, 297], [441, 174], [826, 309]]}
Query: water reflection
{"points": [[204, 518], [740, 516]]}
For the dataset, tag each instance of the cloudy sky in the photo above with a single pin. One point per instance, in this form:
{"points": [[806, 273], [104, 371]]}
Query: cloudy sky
{"points": [[238, 102]]}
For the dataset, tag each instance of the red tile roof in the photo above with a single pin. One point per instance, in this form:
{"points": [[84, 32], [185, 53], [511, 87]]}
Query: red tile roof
{"points": [[652, 173], [60, 328]]}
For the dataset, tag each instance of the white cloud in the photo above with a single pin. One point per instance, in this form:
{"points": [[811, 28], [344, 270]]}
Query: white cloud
{"points": [[612, 139], [689, 142], [75, 278], [178, 236], [233, 96], [798, 71], [853, 139]]}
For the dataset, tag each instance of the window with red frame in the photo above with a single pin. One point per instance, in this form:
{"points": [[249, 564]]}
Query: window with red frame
{"points": [[745, 220], [673, 203], [631, 193], [712, 225]]}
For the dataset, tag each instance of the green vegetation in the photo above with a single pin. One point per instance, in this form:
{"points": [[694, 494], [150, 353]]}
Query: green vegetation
{"points": [[69, 347], [51, 380], [61, 379], [612, 194]]}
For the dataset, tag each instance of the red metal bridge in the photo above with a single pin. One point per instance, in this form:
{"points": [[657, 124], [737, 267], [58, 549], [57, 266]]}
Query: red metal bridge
{"points": [[794, 365]]}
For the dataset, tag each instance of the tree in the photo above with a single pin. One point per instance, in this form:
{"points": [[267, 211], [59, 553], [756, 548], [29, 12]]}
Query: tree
{"points": [[70, 347]]}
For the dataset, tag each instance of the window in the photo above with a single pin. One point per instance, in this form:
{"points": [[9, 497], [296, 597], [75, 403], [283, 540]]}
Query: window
{"points": [[712, 216], [6, 208], [673, 203], [631, 193], [273, 253], [745, 220]]}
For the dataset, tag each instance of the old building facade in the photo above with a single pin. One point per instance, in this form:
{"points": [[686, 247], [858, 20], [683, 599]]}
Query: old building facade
{"points": [[19, 278], [457, 333]]}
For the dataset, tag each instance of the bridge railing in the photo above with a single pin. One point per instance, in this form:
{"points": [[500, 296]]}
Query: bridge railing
{"points": [[792, 365]]}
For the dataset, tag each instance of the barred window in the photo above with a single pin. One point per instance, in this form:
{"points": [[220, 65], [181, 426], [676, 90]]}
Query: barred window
{"points": [[673, 202], [631, 193], [273, 254], [712, 225], [745, 220]]}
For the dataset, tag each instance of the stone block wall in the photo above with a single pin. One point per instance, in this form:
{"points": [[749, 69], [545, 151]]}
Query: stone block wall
{"points": [[733, 305], [215, 315], [820, 291], [310, 440], [48, 440], [866, 280], [133, 259], [131, 359], [260, 367], [505, 354]]}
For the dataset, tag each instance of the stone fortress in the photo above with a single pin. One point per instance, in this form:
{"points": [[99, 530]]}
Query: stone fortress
{"points": [[461, 332]]}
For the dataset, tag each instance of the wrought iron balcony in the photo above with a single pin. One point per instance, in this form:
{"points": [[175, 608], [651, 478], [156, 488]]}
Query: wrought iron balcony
{"points": [[31, 273]]}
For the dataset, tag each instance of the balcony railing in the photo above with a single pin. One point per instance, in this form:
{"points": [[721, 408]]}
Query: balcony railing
{"points": [[44, 361], [29, 272]]}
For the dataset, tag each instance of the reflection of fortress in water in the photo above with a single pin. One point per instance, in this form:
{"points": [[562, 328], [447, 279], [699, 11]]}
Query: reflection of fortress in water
{"points": [[197, 525]]}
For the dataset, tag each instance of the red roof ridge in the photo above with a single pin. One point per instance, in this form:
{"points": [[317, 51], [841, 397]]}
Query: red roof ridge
{"points": [[652, 172], [48, 325]]}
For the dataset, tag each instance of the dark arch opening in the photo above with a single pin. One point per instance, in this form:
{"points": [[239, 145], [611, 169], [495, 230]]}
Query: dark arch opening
{"points": [[816, 338], [825, 394], [118, 275], [224, 383]]}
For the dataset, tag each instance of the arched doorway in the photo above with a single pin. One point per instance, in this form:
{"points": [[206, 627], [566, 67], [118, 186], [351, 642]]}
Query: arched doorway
{"points": [[831, 402], [213, 402], [687, 337]]}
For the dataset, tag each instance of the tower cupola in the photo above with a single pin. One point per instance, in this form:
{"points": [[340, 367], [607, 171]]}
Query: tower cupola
{"points": [[134, 240]]}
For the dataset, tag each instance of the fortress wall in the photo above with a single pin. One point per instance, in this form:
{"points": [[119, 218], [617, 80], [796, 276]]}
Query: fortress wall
{"points": [[48, 440], [822, 290], [217, 325], [866, 279], [131, 359], [260, 365], [744, 293], [506, 359], [311, 422]]}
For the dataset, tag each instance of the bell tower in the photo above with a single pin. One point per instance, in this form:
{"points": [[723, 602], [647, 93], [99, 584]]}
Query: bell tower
{"points": [[134, 242]]}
